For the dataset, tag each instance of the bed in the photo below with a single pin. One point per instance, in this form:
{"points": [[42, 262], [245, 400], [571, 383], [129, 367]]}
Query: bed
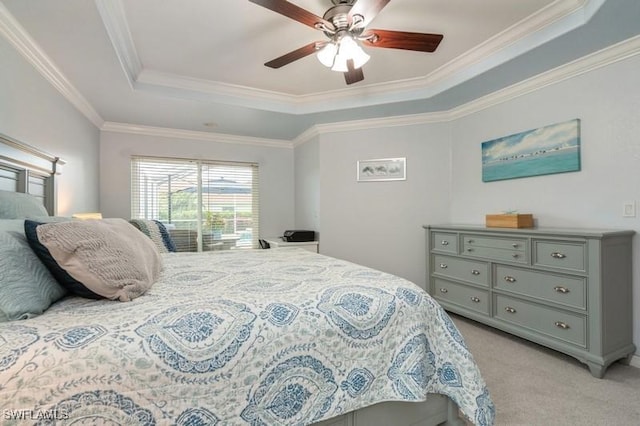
{"points": [[260, 337]]}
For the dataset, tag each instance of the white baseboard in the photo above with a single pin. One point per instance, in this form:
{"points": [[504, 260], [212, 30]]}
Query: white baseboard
{"points": [[635, 361]]}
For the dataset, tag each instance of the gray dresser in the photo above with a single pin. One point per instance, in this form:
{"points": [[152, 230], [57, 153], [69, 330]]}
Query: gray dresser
{"points": [[568, 289]]}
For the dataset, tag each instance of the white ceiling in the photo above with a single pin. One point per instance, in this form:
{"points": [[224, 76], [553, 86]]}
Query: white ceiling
{"points": [[180, 64]]}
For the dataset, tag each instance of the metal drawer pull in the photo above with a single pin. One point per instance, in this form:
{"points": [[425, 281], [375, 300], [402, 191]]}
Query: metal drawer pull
{"points": [[444, 266], [444, 242], [562, 325], [515, 256], [475, 299], [444, 290], [475, 272], [470, 241], [557, 255], [561, 289], [510, 310], [514, 245], [509, 279], [469, 249]]}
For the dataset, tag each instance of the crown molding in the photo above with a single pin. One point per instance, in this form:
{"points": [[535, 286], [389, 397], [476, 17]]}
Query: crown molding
{"points": [[115, 22], [608, 56], [546, 24], [206, 90], [602, 58], [371, 123], [556, 19], [31, 51], [165, 132]]}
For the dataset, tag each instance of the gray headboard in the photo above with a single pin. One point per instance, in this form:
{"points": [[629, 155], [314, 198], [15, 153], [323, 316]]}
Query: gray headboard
{"points": [[26, 169]]}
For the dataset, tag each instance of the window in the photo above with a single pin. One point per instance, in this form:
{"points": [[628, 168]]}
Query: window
{"points": [[205, 205]]}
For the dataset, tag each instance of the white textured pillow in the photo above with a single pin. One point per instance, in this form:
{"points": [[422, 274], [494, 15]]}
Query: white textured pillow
{"points": [[110, 257]]}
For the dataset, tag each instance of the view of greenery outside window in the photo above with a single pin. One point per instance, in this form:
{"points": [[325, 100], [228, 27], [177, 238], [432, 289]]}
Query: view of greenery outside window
{"points": [[205, 205]]}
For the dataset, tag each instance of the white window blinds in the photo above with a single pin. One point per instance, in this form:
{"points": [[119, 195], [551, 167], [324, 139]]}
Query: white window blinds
{"points": [[206, 205]]}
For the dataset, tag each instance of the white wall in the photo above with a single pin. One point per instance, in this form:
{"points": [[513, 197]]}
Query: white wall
{"points": [[275, 165], [379, 224], [608, 103], [33, 112], [307, 186]]}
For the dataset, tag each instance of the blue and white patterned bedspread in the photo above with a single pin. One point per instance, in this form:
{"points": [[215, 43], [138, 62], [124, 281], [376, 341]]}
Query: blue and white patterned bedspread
{"points": [[264, 337]]}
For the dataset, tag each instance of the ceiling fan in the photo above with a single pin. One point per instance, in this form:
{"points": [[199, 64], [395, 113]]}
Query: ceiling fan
{"points": [[345, 26]]}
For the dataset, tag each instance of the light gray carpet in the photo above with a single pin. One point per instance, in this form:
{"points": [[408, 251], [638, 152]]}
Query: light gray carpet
{"points": [[532, 385]]}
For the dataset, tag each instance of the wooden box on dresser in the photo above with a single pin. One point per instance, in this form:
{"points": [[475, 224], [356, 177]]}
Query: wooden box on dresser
{"points": [[567, 289]]}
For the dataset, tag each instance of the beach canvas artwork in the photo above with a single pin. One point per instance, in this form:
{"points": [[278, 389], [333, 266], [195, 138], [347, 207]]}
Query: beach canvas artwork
{"points": [[546, 150]]}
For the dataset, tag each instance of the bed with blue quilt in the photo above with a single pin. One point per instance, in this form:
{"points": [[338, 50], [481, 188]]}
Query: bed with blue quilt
{"points": [[243, 337], [264, 337]]}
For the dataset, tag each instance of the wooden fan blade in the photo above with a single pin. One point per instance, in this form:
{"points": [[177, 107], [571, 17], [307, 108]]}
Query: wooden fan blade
{"points": [[368, 9], [402, 40], [293, 56], [353, 75], [294, 12]]}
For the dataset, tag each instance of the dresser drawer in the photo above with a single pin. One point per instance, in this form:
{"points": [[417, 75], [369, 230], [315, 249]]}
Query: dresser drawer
{"points": [[468, 297], [497, 254], [444, 241], [495, 248], [555, 288], [462, 269], [558, 324], [503, 243], [560, 255]]}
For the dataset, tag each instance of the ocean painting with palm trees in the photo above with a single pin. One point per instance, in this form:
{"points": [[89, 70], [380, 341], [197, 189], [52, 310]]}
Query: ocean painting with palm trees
{"points": [[542, 151]]}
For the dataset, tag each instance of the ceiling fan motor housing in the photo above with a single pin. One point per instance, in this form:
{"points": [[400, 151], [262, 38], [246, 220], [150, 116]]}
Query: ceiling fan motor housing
{"points": [[349, 2], [338, 15]]}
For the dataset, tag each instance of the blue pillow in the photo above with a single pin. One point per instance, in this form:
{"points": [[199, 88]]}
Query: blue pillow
{"points": [[27, 288], [16, 205], [66, 280]]}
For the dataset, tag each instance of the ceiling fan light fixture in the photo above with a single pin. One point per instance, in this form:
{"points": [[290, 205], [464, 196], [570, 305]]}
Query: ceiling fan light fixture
{"points": [[349, 49], [327, 54]]}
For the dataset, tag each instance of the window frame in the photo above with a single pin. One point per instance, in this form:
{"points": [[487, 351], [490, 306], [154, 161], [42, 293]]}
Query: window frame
{"points": [[200, 167]]}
